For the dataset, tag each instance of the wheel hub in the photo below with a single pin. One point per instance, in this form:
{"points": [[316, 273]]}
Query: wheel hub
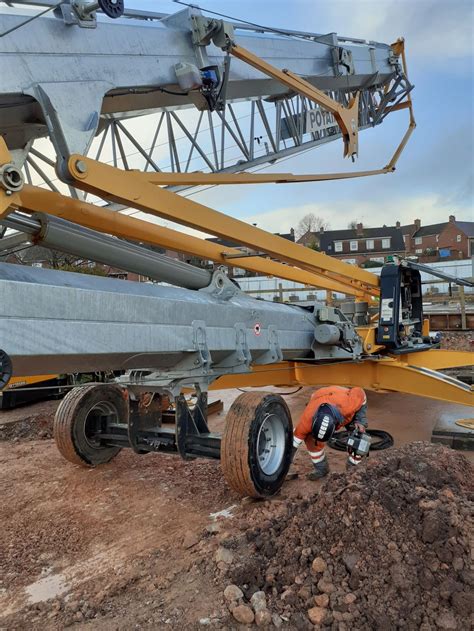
{"points": [[98, 415], [271, 444]]}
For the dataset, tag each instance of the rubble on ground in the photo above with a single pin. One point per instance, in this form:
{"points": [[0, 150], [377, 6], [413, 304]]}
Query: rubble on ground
{"points": [[457, 340], [384, 547]]}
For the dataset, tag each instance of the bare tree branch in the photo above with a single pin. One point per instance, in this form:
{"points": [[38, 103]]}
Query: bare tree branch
{"points": [[310, 223]]}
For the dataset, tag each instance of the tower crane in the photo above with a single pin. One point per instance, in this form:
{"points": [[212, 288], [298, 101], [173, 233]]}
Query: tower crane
{"points": [[88, 92]]}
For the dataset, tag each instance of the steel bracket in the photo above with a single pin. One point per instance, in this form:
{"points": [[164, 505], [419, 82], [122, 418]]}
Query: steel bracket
{"points": [[203, 356], [274, 353], [206, 30], [241, 358], [220, 286], [76, 14], [344, 61], [191, 425], [145, 414]]}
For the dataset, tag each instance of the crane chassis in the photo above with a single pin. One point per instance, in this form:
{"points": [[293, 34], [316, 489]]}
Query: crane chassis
{"points": [[201, 333]]}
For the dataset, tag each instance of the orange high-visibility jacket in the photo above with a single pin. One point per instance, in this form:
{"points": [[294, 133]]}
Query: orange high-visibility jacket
{"points": [[347, 400]]}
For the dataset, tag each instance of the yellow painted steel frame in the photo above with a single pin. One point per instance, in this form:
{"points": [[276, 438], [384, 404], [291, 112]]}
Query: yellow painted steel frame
{"points": [[380, 375], [347, 117], [133, 189], [34, 199], [18, 382], [438, 359], [7, 198]]}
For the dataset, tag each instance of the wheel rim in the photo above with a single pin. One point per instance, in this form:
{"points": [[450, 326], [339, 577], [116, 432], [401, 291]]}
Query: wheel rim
{"points": [[271, 444], [95, 419]]}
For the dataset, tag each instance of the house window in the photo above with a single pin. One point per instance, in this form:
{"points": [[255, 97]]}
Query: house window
{"points": [[420, 251], [337, 246], [385, 243], [354, 246], [437, 238], [458, 238], [418, 240], [369, 244], [377, 259]]}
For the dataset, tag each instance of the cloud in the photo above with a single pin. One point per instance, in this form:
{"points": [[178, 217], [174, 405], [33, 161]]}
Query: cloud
{"points": [[429, 208], [435, 30]]}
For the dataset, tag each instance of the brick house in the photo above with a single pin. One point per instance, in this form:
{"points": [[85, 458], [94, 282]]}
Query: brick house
{"points": [[310, 239], [358, 246], [441, 241], [407, 232]]}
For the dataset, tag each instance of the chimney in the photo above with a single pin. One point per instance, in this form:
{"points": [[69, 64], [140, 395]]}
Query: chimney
{"points": [[452, 219], [321, 229], [397, 225], [360, 230], [292, 232], [417, 223]]}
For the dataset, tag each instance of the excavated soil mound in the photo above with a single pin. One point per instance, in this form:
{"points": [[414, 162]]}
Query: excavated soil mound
{"points": [[384, 547]]}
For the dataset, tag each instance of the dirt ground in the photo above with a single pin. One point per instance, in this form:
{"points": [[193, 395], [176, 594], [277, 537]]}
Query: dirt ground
{"points": [[122, 546]]}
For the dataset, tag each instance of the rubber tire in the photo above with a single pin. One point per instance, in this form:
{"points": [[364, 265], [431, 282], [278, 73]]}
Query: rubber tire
{"points": [[239, 460], [68, 428]]}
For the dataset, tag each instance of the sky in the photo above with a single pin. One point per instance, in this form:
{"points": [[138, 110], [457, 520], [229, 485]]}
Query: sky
{"points": [[434, 177]]}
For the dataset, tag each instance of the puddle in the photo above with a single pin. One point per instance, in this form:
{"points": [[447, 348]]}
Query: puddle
{"points": [[46, 588], [226, 512]]}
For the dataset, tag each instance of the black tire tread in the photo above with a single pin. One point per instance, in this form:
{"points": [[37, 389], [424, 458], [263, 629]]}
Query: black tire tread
{"points": [[235, 446], [64, 424]]}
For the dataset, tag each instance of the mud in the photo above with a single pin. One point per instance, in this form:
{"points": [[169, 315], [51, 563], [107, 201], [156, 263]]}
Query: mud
{"points": [[144, 542], [385, 547], [457, 340], [28, 422]]}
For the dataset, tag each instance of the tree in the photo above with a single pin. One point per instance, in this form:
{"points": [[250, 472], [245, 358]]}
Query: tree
{"points": [[352, 225], [40, 256], [310, 223]]}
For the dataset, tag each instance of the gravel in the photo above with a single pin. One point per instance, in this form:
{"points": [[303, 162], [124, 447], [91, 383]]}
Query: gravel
{"points": [[385, 547]]}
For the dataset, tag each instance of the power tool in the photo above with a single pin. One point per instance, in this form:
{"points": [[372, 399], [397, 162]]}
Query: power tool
{"points": [[358, 444]]}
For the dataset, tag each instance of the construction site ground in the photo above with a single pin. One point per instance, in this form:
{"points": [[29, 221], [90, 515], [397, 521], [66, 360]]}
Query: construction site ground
{"points": [[143, 542]]}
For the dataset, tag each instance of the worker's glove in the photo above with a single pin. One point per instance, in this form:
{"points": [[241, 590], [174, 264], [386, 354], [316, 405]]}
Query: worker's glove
{"points": [[360, 418]]}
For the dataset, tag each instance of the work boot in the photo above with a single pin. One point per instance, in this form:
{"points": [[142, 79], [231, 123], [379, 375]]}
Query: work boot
{"points": [[321, 469]]}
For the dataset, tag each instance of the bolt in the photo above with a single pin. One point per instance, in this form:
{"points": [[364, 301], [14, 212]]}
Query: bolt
{"points": [[81, 166], [8, 193]]}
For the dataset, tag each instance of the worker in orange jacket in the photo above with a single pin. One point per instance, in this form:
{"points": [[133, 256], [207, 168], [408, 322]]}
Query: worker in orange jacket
{"points": [[328, 410]]}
